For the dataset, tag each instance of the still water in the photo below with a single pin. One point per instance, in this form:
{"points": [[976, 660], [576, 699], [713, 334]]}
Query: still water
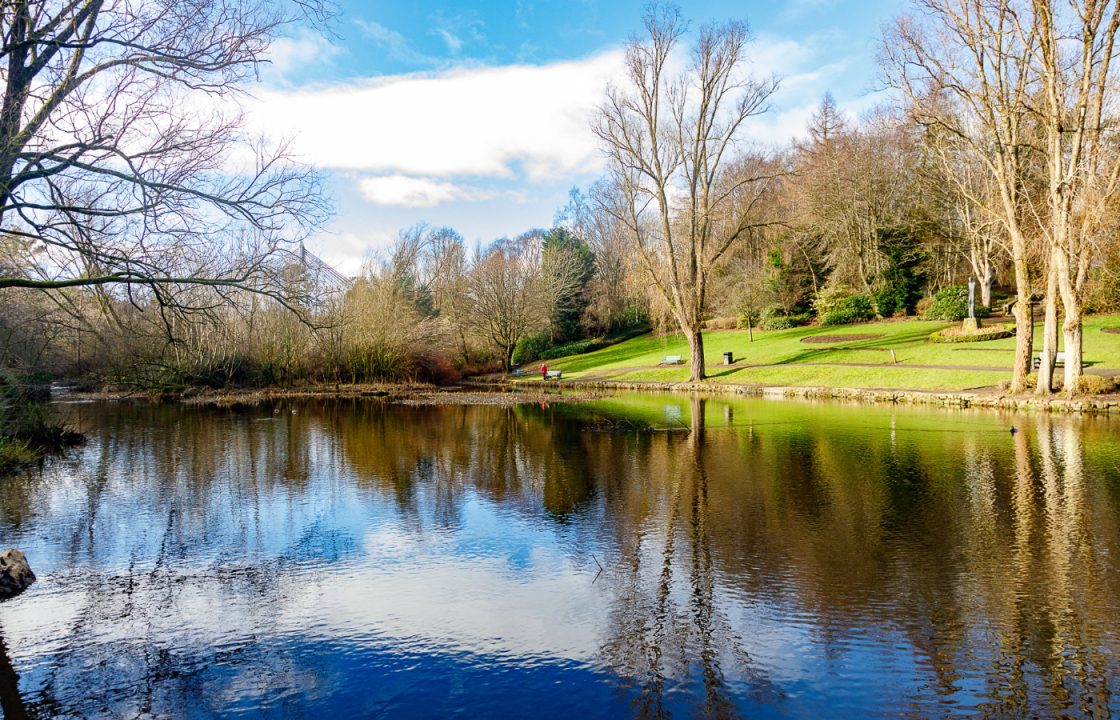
{"points": [[639, 556]]}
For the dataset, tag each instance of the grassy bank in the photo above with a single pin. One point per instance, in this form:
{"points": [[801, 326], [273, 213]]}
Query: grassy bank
{"points": [[29, 429], [891, 355]]}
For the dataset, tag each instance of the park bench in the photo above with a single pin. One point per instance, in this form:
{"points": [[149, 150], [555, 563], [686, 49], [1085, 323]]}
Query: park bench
{"points": [[671, 360], [1060, 360], [555, 375], [518, 372]]}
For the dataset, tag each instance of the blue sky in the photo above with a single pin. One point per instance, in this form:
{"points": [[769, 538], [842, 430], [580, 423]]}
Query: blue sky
{"points": [[476, 115]]}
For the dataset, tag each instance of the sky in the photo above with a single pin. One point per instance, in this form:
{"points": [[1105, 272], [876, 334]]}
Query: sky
{"points": [[477, 115]]}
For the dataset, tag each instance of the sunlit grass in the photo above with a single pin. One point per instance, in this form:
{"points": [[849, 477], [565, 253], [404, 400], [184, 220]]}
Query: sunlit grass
{"points": [[899, 357]]}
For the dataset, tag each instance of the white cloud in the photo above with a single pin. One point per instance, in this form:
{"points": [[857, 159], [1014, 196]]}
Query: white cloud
{"points": [[453, 42], [289, 54], [406, 191], [480, 122], [394, 43]]}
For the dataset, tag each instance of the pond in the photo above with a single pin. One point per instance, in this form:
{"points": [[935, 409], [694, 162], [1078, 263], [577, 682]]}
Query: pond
{"points": [[636, 556]]}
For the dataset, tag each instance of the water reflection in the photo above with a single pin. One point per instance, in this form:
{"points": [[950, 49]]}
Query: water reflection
{"points": [[757, 558]]}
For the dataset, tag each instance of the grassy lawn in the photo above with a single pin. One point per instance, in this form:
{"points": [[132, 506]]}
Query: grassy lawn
{"points": [[789, 361]]}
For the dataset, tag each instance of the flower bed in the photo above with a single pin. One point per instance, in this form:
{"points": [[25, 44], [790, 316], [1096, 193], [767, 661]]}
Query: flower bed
{"points": [[959, 335]]}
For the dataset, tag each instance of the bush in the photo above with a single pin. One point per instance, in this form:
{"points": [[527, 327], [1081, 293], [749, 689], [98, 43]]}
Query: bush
{"points": [[574, 348], [721, 323], [842, 307], [784, 322], [776, 317], [435, 368], [951, 304], [1096, 385], [901, 283], [531, 347]]}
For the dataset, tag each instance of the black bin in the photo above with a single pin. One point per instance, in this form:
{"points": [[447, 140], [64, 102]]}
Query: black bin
{"points": [[727, 359]]}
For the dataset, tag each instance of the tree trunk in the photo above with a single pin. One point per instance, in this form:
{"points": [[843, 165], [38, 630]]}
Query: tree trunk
{"points": [[1071, 332], [1024, 323], [986, 287], [696, 344], [1071, 328], [1024, 343], [1049, 334]]}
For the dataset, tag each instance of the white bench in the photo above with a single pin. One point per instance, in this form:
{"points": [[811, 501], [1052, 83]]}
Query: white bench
{"points": [[555, 375], [671, 360], [1060, 360]]}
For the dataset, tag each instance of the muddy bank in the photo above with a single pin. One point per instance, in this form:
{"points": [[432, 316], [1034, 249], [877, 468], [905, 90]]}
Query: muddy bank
{"points": [[406, 394]]}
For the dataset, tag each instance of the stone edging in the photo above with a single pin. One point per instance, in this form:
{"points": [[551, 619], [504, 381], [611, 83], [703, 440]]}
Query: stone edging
{"points": [[1103, 405]]}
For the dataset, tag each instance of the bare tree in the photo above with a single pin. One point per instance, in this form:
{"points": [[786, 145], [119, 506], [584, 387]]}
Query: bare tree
{"points": [[964, 66], [672, 146], [1074, 57], [966, 187], [594, 219], [506, 293], [122, 154]]}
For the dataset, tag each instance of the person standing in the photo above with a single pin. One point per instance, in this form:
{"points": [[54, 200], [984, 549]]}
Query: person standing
{"points": [[544, 371]]}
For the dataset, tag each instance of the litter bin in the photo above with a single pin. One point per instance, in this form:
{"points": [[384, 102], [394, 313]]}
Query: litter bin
{"points": [[727, 359]]}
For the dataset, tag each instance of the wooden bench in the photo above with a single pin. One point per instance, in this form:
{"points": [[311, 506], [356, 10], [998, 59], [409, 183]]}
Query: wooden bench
{"points": [[1060, 360], [518, 372], [672, 360], [555, 375]]}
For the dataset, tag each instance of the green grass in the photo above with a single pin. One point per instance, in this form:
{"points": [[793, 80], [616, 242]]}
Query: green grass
{"points": [[785, 360], [14, 453]]}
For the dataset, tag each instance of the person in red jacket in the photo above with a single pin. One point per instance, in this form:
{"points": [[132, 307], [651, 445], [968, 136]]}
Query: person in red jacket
{"points": [[544, 371]]}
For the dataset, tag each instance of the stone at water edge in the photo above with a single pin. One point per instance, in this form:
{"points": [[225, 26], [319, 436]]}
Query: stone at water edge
{"points": [[15, 574]]}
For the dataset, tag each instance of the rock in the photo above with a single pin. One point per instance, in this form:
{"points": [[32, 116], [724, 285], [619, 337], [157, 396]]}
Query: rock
{"points": [[15, 574]]}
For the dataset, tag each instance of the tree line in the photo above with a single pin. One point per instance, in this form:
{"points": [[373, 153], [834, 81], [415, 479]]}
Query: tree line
{"points": [[147, 242]]}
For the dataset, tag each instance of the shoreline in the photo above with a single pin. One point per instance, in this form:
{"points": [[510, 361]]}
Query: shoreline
{"points": [[1081, 405], [467, 393], [514, 392]]}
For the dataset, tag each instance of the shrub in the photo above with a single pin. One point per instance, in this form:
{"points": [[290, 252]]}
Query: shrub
{"points": [[722, 323], [838, 306], [530, 347], [748, 320], [1096, 385], [776, 317], [951, 304], [901, 283], [891, 303], [435, 368], [14, 453], [784, 322], [574, 348]]}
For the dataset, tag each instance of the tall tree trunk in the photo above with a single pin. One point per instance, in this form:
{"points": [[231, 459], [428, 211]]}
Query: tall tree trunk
{"points": [[1071, 333], [696, 344], [1049, 333], [1071, 327], [1024, 323], [986, 286]]}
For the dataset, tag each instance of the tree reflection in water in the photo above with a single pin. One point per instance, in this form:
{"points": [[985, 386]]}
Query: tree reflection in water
{"points": [[782, 558]]}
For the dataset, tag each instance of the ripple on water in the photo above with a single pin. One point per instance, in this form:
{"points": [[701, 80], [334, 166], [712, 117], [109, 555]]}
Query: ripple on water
{"points": [[362, 559]]}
